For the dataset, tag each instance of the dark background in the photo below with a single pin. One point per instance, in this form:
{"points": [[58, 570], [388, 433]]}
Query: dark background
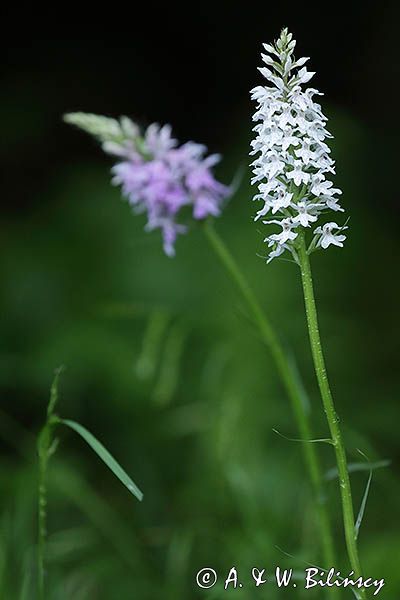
{"points": [[189, 409], [191, 66]]}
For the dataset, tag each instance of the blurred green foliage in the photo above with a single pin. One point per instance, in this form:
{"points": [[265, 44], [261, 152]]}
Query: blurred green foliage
{"points": [[164, 367]]}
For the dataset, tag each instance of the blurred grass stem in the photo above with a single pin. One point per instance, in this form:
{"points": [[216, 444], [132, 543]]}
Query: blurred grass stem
{"points": [[42, 516], [292, 385], [46, 446]]}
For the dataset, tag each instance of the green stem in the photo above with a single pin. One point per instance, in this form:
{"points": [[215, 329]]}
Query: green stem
{"points": [[292, 386], [331, 415], [42, 507], [46, 446]]}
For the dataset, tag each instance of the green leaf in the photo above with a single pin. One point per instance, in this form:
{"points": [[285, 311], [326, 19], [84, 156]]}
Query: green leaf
{"points": [[358, 466], [105, 456], [362, 507], [319, 440], [170, 364], [152, 342]]}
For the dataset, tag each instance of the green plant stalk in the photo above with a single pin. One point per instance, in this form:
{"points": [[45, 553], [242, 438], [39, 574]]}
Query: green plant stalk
{"points": [[41, 527], [44, 445], [329, 408], [289, 379]]}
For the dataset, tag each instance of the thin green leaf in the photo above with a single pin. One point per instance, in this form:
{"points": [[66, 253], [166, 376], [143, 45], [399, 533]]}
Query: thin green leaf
{"points": [[152, 341], [170, 365], [237, 180], [354, 467], [322, 440], [309, 564], [300, 385], [26, 585], [105, 456], [362, 507]]}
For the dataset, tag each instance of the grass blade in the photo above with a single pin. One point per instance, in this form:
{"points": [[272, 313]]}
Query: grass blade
{"points": [[358, 466], [362, 507], [105, 456], [320, 440]]}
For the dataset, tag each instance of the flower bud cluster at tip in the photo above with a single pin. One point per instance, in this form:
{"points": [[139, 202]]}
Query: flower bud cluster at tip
{"points": [[293, 167], [158, 177]]}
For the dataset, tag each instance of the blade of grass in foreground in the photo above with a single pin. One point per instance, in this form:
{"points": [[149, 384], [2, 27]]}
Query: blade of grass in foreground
{"points": [[105, 456], [46, 446]]}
